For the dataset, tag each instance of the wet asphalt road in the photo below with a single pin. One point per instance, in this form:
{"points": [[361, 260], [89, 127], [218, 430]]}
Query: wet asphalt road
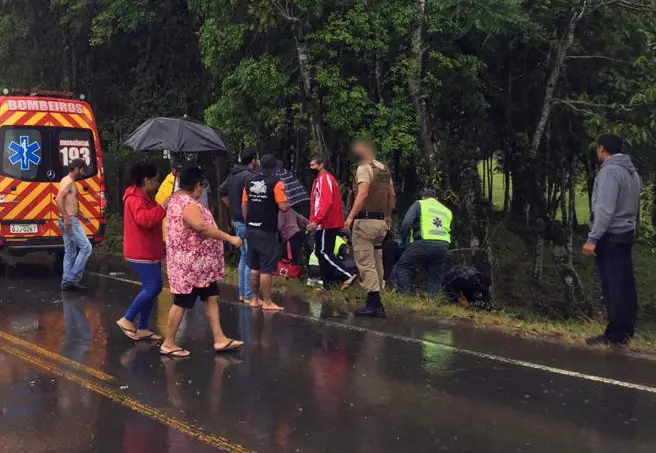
{"points": [[300, 385]]}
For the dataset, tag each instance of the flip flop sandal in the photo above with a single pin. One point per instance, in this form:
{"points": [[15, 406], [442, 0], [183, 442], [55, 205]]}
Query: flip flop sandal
{"points": [[278, 308], [131, 334], [175, 353], [228, 347], [151, 336], [254, 306]]}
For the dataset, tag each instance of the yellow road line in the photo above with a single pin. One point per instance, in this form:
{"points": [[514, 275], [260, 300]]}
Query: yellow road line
{"points": [[55, 357], [150, 412]]}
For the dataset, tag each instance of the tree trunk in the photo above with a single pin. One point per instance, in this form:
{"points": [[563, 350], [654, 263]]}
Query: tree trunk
{"points": [[572, 210], [508, 153], [519, 200], [653, 202], [318, 143], [73, 82], [544, 223], [563, 193], [476, 220], [378, 71], [506, 186], [538, 258], [547, 105], [483, 176], [574, 292], [490, 188], [417, 90]]}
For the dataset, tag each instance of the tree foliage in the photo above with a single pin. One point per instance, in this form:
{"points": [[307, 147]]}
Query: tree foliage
{"points": [[439, 85]]}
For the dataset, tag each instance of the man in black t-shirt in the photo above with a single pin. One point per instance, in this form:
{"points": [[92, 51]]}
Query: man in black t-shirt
{"points": [[263, 197]]}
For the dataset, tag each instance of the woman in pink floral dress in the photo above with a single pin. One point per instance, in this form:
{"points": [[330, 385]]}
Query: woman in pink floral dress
{"points": [[194, 261]]}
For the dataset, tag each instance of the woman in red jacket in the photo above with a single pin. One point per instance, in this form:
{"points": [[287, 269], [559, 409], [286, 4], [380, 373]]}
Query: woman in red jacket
{"points": [[143, 247]]}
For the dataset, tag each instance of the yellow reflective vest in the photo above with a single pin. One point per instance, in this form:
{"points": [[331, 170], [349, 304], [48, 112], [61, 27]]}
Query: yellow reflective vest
{"points": [[434, 221]]}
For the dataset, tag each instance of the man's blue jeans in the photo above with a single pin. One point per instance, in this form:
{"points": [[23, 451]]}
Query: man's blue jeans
{"points": [[77, 250], [428, 254], [244, 271]]}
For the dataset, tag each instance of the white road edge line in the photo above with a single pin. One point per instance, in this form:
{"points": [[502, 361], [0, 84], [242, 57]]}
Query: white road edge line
{"points": [[482, 355]]}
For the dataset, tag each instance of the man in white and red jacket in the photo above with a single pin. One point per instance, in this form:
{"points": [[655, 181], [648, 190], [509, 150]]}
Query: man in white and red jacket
{"points": [[327, 219]]}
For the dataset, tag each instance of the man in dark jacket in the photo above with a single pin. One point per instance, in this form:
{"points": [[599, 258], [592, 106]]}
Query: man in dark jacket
{"points": [[615, 205], [231, 192]]}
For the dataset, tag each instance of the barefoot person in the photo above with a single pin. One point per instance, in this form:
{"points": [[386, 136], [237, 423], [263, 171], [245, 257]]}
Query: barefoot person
{"points": [[263, 197], [143, 247], [77, 247], [194, 261]]}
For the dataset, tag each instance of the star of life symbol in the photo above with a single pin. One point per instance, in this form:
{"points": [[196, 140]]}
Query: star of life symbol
{"points": [[258, 187], [24, 152], [437, 222]]}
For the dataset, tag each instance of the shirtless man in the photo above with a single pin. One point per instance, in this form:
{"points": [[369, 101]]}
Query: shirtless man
{"points": [[77, 247]]}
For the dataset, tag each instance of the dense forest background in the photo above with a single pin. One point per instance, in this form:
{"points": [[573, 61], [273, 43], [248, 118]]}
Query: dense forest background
{"points": [[495, 102]]}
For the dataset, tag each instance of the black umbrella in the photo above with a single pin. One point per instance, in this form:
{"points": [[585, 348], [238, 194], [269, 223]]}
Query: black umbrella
{"points": [[178, 135]]}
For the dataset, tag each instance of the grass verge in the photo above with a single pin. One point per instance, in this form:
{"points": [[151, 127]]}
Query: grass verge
{"points": [[515, 321]]}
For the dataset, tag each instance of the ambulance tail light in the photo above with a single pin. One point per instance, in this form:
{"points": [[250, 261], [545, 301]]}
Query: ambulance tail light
{"points": [[103, 201]]}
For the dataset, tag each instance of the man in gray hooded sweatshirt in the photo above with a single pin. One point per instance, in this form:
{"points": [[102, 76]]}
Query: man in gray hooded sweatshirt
{"points": [[615, 205]]}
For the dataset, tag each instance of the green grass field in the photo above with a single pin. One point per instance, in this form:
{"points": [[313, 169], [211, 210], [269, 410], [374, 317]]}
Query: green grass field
{"points": [[498, 190]]}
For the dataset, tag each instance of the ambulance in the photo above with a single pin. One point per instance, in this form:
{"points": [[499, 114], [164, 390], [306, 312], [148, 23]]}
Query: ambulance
{"points": [[40, 133]]}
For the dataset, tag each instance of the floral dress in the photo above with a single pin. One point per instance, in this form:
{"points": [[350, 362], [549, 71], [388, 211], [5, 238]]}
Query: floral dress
{"points": [[192, 260]]}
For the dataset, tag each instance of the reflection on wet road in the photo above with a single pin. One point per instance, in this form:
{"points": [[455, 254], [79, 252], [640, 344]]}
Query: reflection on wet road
{"points": [[300, 385]]}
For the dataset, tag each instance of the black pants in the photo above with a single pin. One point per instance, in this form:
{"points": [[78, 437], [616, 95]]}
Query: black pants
{"points": [[618, 284], [332, 271], [391, 255]]}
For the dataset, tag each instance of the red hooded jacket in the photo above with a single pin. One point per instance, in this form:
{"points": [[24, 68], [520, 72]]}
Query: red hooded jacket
{"points": [[142, 226], [327, 210]]}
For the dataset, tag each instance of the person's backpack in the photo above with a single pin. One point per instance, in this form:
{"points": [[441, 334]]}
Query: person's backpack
{"points": [[286, 268]]}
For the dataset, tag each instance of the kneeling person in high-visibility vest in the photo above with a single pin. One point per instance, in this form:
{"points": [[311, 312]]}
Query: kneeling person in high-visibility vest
{"points": [[428, 224]]}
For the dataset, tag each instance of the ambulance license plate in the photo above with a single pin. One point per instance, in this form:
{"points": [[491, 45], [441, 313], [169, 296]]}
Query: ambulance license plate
{"points": [[23, 228]]}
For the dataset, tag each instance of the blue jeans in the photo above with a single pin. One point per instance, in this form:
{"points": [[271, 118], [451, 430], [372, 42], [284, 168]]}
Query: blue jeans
{"points": [[77, 250], [244, 271], [151, 281], [428, 254]]}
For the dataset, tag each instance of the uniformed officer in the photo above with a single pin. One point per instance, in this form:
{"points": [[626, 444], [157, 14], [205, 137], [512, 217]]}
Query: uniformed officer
{"points": [[369, 221], [427, 225]]}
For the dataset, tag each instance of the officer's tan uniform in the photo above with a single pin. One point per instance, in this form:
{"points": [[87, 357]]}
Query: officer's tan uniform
{"points": [[369, 227]]}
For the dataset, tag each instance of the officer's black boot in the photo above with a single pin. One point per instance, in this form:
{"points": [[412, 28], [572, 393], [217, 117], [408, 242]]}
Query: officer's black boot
{"points": [[374, 308]]}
